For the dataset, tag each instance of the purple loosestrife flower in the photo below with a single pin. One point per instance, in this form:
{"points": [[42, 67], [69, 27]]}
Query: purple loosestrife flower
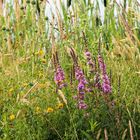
{"points": [[59, 77], [81, 87], [79, 75], [90, 63], [101, 64], [89, 60], [106, 86]]}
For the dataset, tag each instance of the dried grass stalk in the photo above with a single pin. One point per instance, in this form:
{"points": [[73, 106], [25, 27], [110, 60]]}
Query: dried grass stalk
{"points": [[105, 133], [131, 130]]}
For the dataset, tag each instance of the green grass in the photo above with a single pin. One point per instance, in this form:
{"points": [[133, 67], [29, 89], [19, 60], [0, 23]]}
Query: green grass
{"points": [[27, 87]]}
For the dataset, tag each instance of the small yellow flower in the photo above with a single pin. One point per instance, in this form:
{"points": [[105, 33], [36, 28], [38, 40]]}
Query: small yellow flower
{"points": [[49, 109], [37, 109], [11, 90], [12, 117], [40, 74], [41, 53], [60, 105]]}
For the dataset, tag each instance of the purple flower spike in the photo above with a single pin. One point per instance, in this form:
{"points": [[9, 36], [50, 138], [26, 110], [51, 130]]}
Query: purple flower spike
{"points": [[81, 86], [106, 86], [59, 77], [101, 64], [89, 60], [82, 82]]}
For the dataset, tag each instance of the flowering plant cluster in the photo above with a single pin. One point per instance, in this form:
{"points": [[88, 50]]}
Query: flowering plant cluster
{"points": [[101, 79]]}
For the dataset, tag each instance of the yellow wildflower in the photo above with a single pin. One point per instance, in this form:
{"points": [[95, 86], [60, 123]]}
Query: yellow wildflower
{"points": [[49, 109], [11, 90], [40, 74], [38, 109], [12, 117], [60, 105], [41, 53]]}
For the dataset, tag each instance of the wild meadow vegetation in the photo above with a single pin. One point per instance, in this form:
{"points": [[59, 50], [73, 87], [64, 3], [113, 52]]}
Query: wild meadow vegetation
{"points": [[72, 78]]}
